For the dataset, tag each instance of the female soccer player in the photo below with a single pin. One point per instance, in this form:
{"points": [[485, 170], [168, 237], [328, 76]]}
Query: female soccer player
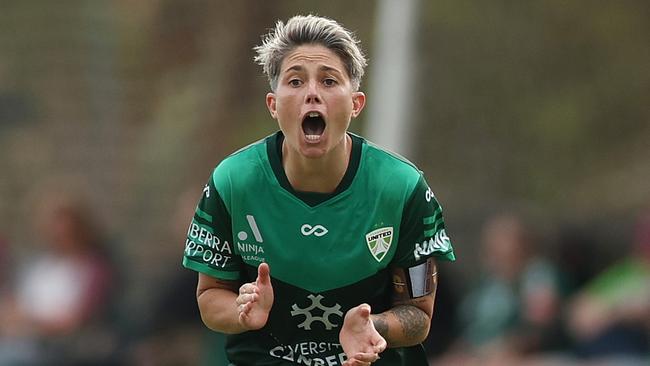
{"points": [[314, 246]]}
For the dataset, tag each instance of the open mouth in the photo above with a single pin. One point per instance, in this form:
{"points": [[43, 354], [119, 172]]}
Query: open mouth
{"points": [[313, 126]]}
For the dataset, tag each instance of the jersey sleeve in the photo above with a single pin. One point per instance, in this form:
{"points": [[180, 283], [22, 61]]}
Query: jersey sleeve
{"points": [[422, 230], [208, 247]]}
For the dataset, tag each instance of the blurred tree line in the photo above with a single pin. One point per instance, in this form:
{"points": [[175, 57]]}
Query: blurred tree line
{"points": [[539, 104]]}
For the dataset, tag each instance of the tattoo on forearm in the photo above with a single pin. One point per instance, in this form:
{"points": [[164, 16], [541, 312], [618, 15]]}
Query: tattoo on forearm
{"points": [[381, 324], [414, 321]]}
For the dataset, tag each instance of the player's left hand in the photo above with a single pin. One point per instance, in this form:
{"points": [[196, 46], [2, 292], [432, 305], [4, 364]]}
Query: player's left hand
{"points": [[360, 340]]}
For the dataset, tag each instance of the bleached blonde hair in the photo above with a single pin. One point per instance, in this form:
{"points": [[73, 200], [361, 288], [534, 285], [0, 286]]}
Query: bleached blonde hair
{"points": [[310, 29]]}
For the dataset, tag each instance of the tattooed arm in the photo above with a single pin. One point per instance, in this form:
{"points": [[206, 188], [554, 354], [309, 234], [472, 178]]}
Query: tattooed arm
{"points": [[407, 322], [364, 335]]}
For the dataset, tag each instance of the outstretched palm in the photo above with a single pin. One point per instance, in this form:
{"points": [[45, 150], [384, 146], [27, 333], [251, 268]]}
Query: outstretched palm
{"points": [[360, 340]]}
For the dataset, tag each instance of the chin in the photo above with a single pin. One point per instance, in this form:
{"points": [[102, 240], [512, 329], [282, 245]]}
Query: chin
{"points": [[313, 153]]}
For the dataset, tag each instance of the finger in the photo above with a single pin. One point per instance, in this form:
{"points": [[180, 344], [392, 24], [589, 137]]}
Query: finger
{"points": [[355, 362], [366, 357], [245, 298], [364, 310], [263, 274], [243, 318], [245, 308], [380, 345], [247, 288]]}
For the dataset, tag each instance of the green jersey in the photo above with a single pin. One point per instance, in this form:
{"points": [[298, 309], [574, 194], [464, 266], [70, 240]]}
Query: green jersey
{"points": [[327, 252]]}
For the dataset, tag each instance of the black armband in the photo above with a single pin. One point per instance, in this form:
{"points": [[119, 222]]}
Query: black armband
{"points": [[419, 279]]}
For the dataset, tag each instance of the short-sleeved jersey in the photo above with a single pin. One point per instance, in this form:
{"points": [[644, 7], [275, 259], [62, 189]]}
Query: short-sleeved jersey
{"points": [[327, 252]]}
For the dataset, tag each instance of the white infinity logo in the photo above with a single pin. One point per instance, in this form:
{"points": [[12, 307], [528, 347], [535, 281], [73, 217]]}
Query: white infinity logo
{"points": [[318, 230]]}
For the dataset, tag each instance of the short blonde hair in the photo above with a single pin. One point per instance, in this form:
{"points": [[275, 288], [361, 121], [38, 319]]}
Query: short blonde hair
{"points": [[310, 29]]}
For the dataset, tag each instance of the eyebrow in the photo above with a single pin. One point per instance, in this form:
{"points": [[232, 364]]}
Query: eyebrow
{"points": [[294, 68], [329, 68], [322, 68]]}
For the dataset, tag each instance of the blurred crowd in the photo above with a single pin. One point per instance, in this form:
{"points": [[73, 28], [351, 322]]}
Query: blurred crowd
{"points": [[62, 303], [56, 306], [531, 307]]}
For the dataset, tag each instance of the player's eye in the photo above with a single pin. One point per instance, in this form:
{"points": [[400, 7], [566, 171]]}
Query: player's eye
{"points": [[295, 82], [329, 82]]}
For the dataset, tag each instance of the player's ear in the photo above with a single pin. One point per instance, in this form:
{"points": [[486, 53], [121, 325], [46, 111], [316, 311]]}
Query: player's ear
{"points": [[270, 104], [358, 102]]}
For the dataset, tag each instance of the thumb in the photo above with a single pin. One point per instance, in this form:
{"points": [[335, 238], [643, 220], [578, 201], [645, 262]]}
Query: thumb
{"points": [[364, 310], [263, 274]]}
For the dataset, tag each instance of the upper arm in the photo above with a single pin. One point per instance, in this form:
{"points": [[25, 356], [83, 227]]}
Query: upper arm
{"points": [[206, 283], [415, 286], [422, 238], [422, 232], [209, 246]]}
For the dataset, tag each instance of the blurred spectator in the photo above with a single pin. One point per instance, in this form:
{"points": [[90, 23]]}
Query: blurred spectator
{"points": [[3, 265], [514, 309], [57, 314], [610, 317], [4, 281], [569, 253], [174, 316]]}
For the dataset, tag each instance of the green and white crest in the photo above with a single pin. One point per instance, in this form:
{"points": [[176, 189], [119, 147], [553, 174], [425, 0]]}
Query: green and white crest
{"points": [[379, 242]]}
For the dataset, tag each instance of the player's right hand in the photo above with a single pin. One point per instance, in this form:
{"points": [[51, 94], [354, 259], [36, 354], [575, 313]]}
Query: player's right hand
{"points": [[255, 300]]}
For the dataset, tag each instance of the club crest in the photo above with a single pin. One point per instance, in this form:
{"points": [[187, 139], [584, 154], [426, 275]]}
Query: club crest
{"points": [[379, 242]]}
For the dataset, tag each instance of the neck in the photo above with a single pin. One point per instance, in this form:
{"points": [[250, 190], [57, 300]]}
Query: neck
{"points": [[320, 175]]}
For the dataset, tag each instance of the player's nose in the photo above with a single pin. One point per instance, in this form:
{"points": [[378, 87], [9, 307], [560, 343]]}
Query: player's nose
{"points": [[312, 96]]}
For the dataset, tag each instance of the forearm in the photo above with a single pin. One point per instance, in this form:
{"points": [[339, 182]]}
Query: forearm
{"points": [[402, 325], [218, 310], [407, 322]]}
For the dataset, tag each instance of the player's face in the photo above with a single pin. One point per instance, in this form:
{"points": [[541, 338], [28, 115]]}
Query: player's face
{"points": [[314, 100]]}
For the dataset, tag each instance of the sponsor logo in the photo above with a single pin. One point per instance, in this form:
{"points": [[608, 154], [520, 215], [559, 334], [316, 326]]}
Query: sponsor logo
{"points": [[204, 244], [316, 305], [379, 242], [311, 353], [428, 195], [318, 230], [242, 235], [437, 243], [206, 190], [251, 251]]}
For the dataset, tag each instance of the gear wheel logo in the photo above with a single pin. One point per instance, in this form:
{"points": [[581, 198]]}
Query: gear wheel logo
{"points": [[316, 304]]}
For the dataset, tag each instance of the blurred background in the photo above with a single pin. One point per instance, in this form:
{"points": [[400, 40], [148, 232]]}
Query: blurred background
{"points": [[530, 119]]}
